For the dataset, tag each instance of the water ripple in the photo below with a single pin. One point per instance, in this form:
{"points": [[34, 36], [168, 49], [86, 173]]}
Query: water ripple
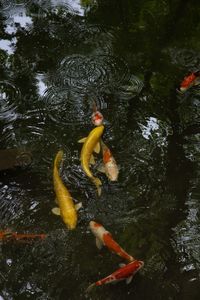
{"points": [[55, 9], [132, 88], [85, 72], [185, 58], [8, 96], [66, 107], [99, 39], [187, 235], [6, 4], [10, 208]]}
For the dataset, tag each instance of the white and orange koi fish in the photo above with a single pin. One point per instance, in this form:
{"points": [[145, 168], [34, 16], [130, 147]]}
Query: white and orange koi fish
{"points": [[104, 238], [109, 166], [126, 272]]}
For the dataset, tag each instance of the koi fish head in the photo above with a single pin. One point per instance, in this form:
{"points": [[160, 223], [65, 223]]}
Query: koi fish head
{"points": [[97, 118], [138, 264], [97, 229], [130, 269]]}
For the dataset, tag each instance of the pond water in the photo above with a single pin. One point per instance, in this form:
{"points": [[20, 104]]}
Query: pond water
{"points": [[58, 58]]}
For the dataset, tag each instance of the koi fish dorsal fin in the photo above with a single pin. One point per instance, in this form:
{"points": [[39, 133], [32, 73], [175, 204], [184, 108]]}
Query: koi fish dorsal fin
{"points": [[82, 140], [97, 148], [99, 243], [56, 211]]}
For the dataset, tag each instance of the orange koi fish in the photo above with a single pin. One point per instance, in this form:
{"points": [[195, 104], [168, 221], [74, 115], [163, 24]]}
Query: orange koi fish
{"points": [[189, 81], [126, 272], [8, 235], [104, 238]]}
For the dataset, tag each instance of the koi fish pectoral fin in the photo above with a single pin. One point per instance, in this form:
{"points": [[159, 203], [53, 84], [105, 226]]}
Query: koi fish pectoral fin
{"points": [[82, 140], [129, 279], [99, 191], [56, 211], [197, 81], [101, 168], [122, 265], [92, 160], [97, 148], [90, 287], [99, 243], [78, 206]]}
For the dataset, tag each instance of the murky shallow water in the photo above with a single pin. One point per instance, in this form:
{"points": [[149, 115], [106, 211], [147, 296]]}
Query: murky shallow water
{"points": [[57, 58]]}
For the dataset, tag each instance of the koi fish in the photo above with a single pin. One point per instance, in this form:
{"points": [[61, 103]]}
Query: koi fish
{"points": [[126, 272], [67, 209], [104, 238], [8, 235], [189, 81], [97, 117], [91, 144], [109, 166]]}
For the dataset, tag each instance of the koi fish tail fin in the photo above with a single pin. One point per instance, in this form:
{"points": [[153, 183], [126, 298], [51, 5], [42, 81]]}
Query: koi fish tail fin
{"points": [[98, 184], [90, 287], [58, 158]]}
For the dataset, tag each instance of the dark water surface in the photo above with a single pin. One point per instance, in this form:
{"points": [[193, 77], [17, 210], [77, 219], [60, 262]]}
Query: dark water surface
{"points": [[56, 59]]}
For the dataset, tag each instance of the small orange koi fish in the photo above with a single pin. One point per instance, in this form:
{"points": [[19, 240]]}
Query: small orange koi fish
{"points": [[8, 235], [104, 238], [189, 81], [126, 272]]}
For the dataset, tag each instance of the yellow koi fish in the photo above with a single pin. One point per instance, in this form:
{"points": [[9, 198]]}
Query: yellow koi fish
{"points": [[91, 144], [67, 208]]}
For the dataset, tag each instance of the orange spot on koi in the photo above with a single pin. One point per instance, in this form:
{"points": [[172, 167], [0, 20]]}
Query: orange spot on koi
{"points": [[107, 156]]}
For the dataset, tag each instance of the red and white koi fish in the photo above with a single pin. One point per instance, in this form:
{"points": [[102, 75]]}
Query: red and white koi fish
{"points": [[104, 238], [8, 235], [97, 117], [109, 166], [126, 272], [189, 81]]}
